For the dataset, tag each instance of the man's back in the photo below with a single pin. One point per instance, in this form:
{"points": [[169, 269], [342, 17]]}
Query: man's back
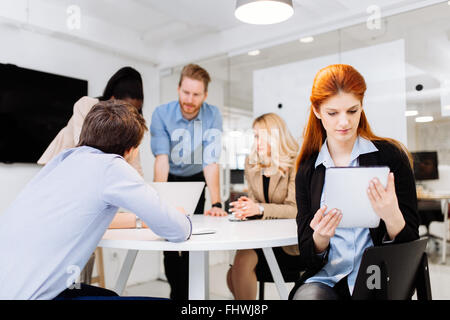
{"points": [[56, 222], [48, 228]]}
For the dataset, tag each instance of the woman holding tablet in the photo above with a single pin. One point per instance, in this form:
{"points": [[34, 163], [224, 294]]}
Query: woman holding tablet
{"points": [[270, 175], [338, 135]]}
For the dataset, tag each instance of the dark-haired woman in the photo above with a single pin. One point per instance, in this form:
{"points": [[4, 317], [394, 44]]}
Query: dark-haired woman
{"points": [[338, 135], [125, 84]]}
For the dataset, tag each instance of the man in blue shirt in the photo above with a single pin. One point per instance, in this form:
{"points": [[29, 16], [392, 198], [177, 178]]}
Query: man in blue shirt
{"points": [[186, 143], [49, 232]]}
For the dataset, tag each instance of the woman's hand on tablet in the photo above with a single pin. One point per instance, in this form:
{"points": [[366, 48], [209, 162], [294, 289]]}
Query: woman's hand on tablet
{"points": [[385, 204], [324, 226]]}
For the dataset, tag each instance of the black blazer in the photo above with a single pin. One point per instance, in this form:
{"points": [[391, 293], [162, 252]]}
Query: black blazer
{"points": [[308, 187]]}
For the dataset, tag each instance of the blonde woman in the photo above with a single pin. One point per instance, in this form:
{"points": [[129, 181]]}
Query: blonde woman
{"points": [[270, 175]]}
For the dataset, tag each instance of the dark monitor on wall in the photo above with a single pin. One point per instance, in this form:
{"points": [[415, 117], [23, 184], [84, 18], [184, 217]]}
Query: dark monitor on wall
{"points": [[425, 165], [236, 176], [34, 107]]}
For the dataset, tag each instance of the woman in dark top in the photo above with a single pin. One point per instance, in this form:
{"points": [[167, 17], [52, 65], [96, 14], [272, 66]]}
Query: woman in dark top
{"points": [[338, 134]]}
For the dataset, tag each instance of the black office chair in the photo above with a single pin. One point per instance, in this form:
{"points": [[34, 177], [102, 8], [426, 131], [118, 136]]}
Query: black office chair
{"points": [[429, 211], [394, 272], [288, 277]]}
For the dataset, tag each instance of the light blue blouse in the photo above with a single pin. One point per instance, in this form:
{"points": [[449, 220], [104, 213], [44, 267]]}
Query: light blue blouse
{"points": [[348, 244]]}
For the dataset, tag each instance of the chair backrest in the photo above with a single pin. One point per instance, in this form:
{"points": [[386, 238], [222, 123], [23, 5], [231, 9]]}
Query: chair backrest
{"points": [[393, 272]]}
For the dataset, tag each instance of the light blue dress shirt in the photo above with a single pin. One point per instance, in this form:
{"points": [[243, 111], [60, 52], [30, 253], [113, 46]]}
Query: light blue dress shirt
{"points": [[51, 229], [348, 244], [190, 144]]}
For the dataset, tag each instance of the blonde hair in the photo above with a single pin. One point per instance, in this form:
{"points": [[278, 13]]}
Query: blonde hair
{"points": [[284, 148]]}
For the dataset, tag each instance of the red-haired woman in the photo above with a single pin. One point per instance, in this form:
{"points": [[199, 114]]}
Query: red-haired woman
{"points": [[338, 134]]}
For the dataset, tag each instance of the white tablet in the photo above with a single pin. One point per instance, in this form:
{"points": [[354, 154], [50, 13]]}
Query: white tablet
{"points": [[346, 189]]}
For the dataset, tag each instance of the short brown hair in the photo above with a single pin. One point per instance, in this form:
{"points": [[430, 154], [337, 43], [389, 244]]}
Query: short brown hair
{"points": [[113, 126], [194, 71]]}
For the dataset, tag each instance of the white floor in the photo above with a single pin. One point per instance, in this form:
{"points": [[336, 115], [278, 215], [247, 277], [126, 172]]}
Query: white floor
{"points": [[439, 278], [217, 287]]}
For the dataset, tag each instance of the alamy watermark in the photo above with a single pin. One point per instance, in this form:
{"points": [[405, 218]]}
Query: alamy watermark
{"points": [[374, 280], [73, 21], [374, 20], [72, 281], [207, 147]]}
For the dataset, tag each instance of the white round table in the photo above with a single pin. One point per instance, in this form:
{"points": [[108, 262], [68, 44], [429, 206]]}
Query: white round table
{"points": [[228, 235]]}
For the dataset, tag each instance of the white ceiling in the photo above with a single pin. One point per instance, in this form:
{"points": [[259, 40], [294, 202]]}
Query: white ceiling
{"points": [[171, 32], [158, 21]]}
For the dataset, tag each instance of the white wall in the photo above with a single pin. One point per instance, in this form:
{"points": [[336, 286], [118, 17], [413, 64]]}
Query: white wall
{"points": [[382, 66], [44, 53], [441, 185], [434, 136]]}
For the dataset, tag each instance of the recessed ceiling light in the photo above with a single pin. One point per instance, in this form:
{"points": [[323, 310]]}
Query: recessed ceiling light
{"points": [[263, 11], [410, 113], [424, 119], [307, 39], [254, 53]]}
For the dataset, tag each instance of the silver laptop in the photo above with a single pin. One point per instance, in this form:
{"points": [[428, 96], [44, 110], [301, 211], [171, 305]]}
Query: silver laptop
{"points": [[180, 194]]}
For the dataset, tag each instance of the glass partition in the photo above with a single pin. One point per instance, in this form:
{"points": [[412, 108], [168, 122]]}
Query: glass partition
{"points": [[404, 58]]}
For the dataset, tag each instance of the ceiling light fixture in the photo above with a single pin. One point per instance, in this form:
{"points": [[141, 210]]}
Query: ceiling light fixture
{"points": [[307, 39], [254, 53], [263, 11], [410, 113], [424, 119]]}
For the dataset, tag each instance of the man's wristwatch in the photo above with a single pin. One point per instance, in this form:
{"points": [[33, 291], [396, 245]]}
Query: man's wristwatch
{"points": [[217, 205]]}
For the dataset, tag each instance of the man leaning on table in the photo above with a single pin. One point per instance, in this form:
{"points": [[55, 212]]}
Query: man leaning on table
{"points": [[186, 142], [49, 232]]}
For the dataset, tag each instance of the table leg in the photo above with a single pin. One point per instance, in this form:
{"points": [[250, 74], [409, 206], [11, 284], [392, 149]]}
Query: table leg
{"points": [[276, 273], [198, 275], [444, 205], [125, 271]]}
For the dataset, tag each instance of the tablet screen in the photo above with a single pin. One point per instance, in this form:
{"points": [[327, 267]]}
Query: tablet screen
{"points": [[346, 189]]}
